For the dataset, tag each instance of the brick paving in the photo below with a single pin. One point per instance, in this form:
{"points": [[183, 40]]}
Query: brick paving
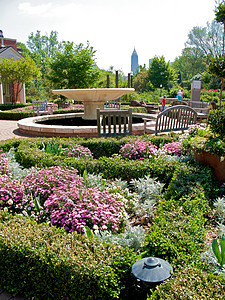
{"points": [[9, 129]]}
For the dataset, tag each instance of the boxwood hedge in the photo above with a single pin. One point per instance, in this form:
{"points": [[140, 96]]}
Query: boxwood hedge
{"points": [[43, 262]]}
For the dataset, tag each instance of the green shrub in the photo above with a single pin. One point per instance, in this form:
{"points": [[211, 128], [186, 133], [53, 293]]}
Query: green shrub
{"points": [[190, 179], [216, 120], [15, 115], [8, 106], [176, 236], [29, 153], [43, 262], [191, 283]]}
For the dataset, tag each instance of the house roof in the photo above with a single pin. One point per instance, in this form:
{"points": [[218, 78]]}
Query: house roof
{"points": [[9, 52]]}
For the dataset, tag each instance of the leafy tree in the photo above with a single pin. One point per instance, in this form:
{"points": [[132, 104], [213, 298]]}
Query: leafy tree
{"points": [[73, 67], [207, 39], [220, 18], [43, 48], [217, 67], [102, 80], [190, 63], [141, 81], [18, 72], [160, 72]]}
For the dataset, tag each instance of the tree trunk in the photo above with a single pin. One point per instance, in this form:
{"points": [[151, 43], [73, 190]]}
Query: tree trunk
{"points": [[221, 91]]}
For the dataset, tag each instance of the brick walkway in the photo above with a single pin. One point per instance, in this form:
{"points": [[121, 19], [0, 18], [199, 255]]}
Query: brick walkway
{"points": [[9, 129]]}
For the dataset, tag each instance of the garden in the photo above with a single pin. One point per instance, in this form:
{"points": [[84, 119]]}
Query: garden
{"points": [[77, 213]]}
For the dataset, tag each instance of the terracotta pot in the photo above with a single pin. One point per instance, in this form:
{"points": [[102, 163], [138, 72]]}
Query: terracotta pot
{"points": [[213, 161]]}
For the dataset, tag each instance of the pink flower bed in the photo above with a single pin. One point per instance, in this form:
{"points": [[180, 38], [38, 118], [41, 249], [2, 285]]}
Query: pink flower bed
{"points": [[138, 149], [47, 180], [11, 194], [65, 201], [77, 151], [4, 166], [173, 148], [73, 209]]}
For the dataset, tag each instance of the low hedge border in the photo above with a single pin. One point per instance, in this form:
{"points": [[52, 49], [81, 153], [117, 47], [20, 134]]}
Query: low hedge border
{"points": [[7, 113], [191, 283], [10, 115], [43, 262], [29, 154]]}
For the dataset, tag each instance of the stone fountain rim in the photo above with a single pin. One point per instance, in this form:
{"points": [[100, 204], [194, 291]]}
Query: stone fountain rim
{"points": [[30, 126]]}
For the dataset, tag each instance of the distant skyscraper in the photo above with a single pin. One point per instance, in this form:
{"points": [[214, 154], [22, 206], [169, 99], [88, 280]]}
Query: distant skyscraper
{"points": [[134, 61]]}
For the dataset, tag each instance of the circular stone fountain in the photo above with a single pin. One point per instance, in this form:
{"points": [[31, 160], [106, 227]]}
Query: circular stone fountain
{"points": [[93, 98], [48, 125]]}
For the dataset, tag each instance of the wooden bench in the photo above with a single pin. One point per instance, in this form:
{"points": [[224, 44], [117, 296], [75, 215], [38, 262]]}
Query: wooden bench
{"points": [[175, 118], [41, 107], [114, 122], [113, 104]]}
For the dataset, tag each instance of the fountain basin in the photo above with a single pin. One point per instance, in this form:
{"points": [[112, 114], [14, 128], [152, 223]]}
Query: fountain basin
{"points": [[32, 127], [93, 98]]}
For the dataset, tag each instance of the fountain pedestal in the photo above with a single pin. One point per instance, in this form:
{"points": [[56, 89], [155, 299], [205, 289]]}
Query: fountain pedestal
{"points": [[93, 98]]}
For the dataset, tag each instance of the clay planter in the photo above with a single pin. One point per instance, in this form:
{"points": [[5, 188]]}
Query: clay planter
{"points": [[213, 161]]}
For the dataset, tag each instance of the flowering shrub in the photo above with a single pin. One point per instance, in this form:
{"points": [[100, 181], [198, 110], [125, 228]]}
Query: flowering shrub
{"points": [[138, 149], [11, 194], [74, 209], [45, 181], [173, 148], [77, 151], [4, 166]]}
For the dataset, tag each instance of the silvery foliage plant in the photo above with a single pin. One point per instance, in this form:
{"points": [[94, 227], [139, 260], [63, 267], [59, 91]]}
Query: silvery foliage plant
{"points": [[15, 168], [220, 209], [133, 237], [148, 190], [210, 256]]}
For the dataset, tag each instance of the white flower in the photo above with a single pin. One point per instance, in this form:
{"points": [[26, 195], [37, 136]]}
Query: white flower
{"points": [[10, 202], [95, 227], [104, 227], [221, 158]]}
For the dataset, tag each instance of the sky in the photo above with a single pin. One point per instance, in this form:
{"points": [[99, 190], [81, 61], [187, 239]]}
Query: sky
{"points": [[112, 27]]}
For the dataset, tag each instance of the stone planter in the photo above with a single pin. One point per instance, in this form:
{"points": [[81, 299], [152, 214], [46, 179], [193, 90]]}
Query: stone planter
{"points": [[213, 161]]}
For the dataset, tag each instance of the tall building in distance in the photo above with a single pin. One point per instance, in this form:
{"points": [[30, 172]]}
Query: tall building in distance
{"points": [[134, 62]]}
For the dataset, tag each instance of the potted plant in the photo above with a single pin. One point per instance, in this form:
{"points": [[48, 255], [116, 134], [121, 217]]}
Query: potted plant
{"points": [[208, 144], [62, 102]]}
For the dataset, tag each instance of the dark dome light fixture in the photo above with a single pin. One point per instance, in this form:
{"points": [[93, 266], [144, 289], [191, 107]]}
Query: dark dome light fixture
{"points": [[152, 270]]}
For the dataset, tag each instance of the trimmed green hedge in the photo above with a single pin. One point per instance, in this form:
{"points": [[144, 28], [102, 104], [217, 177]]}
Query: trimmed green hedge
{"points": [[191, 283], [11, 115], [44, 262], [29, 154], [8, 106]]}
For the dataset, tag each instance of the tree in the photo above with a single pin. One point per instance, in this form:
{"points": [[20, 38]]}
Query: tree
{"points": [[141, 81], [190, 63], [207, 39], [102, 80], [220, 18], [43, 48], [217, 67], [18, 72], [160, 72], [73, 67]]}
